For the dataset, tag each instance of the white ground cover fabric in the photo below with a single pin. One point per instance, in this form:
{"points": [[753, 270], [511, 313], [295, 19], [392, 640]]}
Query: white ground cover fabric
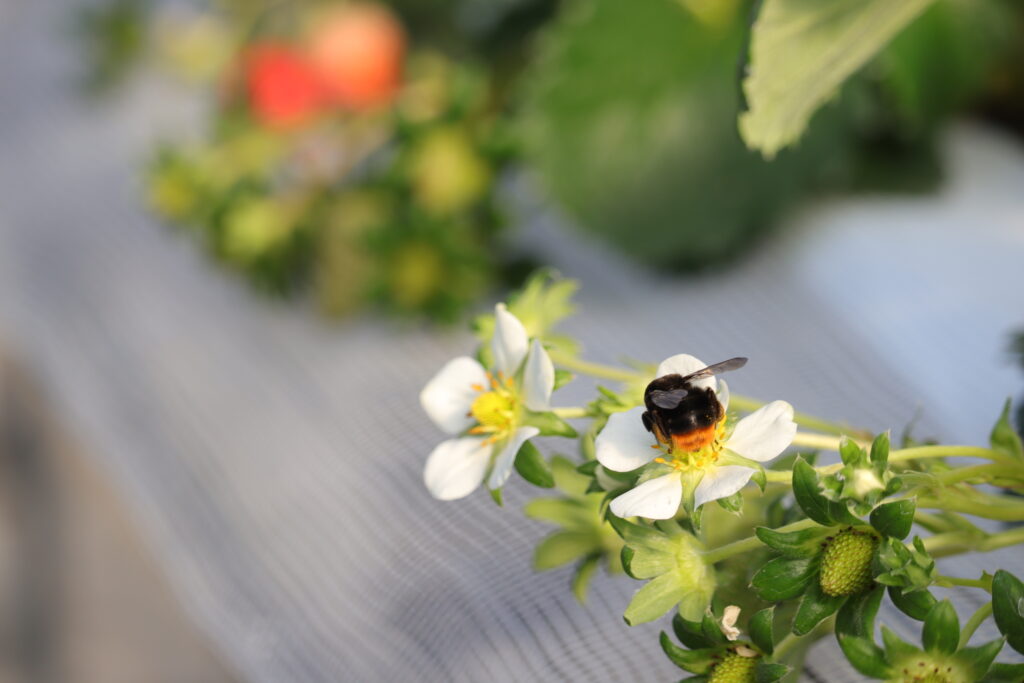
{"points": [[275, 461]]}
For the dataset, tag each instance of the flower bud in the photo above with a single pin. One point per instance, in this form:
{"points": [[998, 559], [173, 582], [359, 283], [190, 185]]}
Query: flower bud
{"points": [[846, 562]]}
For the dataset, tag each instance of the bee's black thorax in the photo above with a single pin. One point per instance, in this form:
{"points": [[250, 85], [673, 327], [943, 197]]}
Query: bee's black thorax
{"points": [[698, 410]]}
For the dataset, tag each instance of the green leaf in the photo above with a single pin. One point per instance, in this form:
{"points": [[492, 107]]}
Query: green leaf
{"points": [[712, 631], [690, 633], [532, 466], [1004, 673], [584, 573], [880, 450], [850, 453], [979, 659], [550, 424], [941, 632], [1008, 608], [770, 672], [784, 578], [694, 661], [857, 616], [894, 519], [814, 608], [563, 547], [808, 493], [762, 630], [915, 604], [801, 51], [864, 655], [656, 598], [1004, 437]]}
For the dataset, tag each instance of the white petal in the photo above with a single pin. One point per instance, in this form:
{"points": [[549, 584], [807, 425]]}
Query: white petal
{"points": [[538, 378], [448, 397], [685, 364], [723, 394], [624, 444], [456, 467], [764, 433], [655, 499], [721, 482], [510, 341], [503, 463]]}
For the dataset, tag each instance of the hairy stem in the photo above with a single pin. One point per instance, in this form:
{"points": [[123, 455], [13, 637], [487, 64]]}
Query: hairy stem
{"points": [[570, 413], [984, 584]]}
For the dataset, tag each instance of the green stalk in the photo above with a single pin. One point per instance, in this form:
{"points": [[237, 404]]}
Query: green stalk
{"points": [[983, 613], [751, 542]]}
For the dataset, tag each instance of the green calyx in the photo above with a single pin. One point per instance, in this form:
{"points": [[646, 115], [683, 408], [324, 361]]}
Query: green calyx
{"points": [[734, 668], [846, 562]]}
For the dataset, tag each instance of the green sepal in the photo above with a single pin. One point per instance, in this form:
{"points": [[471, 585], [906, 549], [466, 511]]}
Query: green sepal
{"points": [[915, 604], [857, 616], [581, 577], [897, 649], [694, 661], [588, 468], [850, 453], [654, 599], [533, 467], [770, 672], [840, 512], [784, 578], [941, 632], [563, 547], [712, 631], [1001, 672], [694, 679], [880, 451], [1004, 437], [760, 478], [803, 543], [733, 503], [864, 655], [550, 424], [762, 630], [807, 490], [651, 552], [690, 633], [894, 519], [626, 557], [979, 659], [496, 496], [562, 377], [815, 607], [1008, 608]]}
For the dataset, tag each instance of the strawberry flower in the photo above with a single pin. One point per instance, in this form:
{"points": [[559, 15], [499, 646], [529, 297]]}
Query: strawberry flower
{"points": [[487, 408], [716, 470]]}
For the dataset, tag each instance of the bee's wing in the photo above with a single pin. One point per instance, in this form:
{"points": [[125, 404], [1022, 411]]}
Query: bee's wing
{"points": [[717, 369], [667, 399]]}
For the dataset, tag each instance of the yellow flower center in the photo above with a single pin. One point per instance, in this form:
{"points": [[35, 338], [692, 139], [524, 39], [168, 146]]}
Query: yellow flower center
{"points": [[496, 411], [699, 459]]}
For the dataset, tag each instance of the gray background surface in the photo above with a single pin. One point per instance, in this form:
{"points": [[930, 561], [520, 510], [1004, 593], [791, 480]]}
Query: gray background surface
{"points": [[275, 461]]}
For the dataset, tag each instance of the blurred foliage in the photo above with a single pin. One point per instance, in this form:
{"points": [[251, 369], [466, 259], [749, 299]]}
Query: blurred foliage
{"points": [[113, 38], [360, 161]]}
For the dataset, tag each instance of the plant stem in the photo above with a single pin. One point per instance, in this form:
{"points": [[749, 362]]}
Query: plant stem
{"points": [[600, 370], [817, 424], [956, 542], [982, 505], [570, 413], [751, 542], [820, 441], [985, 472], [919, 452], [983, 613], [970, 583]]}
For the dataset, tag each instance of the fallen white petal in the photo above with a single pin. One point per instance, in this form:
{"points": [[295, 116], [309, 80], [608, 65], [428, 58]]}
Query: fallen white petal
{"points": [[507, 458], [720, 482], [624, 444], [764, 433], [538, 378], [510, 341], [685, 364], [448, 397], [654, 499], [729, 617], [456, 467]]}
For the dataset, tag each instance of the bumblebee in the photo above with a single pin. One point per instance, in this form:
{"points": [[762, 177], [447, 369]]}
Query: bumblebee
{"points": [[683, 416]]}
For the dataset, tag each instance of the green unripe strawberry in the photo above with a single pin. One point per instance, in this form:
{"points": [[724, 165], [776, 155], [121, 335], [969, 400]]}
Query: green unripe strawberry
{"points": [[846, 562], [734, 668]]}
